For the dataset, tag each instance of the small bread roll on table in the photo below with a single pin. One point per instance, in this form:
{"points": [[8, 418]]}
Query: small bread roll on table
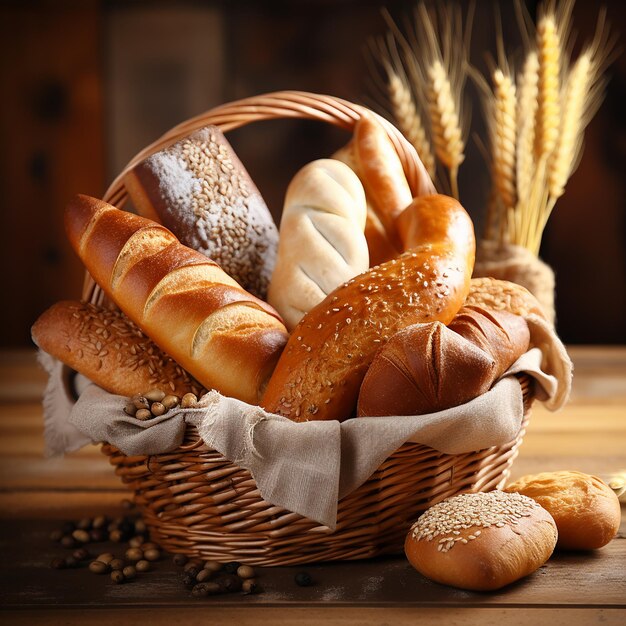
{"points": [[481, 541], [586, 510]]}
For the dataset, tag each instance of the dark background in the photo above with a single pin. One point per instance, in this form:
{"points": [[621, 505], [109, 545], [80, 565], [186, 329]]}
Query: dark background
{"points": [[86, 85]]}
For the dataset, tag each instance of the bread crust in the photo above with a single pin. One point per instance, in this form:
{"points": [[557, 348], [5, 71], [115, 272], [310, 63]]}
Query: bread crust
{"points": [[106, 347], [172, 315], [483, 558], [586, 510], [321, 244], [431, 367], [319, 374]]}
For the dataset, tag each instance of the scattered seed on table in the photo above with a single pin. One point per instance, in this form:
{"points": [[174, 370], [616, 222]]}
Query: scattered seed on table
{"points": [[249, 586], [98, 567], [245, 571], [117, 576], [105, 557], [129, 572], [143, 566]]}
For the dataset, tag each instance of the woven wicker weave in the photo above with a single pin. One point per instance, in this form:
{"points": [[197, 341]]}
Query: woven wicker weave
{"points": [[195, 501]]}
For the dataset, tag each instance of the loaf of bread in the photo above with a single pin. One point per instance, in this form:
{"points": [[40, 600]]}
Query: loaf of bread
{"points": [[481, 541], [222, 335], [106, 347], [430, 367], [321, 244], [200, 190], [586, 510], [321, 370], [382, 174], [372, 156], [502, 295]]}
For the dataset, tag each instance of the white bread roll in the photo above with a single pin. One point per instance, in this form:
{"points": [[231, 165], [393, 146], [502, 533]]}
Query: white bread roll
{"points": [[322, 243], [481, 541]]}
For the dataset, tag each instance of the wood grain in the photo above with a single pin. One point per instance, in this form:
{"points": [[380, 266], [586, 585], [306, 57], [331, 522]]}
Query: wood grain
{"points": [[37, 493]]}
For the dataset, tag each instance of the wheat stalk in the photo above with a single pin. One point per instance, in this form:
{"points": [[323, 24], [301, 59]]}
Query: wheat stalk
{"points": [[504, 133], [548, 109], [527, 91], [447, 134], [409, 121], [569, 143]]}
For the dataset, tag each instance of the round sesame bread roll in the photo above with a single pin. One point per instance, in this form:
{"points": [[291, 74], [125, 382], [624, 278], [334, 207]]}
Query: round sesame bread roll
{"points": [[328, 353], [199, 189], [481, 541], [586, 510]]}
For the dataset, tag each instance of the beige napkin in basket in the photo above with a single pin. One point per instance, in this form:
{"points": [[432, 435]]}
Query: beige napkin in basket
{"points": [[307, 467]]}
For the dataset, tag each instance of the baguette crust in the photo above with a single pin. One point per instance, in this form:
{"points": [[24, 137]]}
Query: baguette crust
{"points": [[171, 292], [319, 374], [106, 347]]}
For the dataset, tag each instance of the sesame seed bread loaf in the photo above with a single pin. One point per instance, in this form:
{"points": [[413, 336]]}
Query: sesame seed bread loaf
{"points": [[586, 510], [199, 189], [319, 374], [106, 347], [222, 335], [321, 241], [431, 367], [481, 541]]}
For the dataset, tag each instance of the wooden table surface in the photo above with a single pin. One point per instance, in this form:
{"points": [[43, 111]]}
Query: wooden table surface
{"points": [[36, 494]]}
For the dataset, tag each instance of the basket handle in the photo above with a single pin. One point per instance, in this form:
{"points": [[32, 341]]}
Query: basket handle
{"points": [[280, 105], [277, 105]]}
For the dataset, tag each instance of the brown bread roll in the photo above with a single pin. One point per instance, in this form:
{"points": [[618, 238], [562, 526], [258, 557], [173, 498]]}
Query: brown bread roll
{"points": [[586, 510], [222, 335], [431, 367], [320, 372], [502, 295], [200, 190], [481, 541], [106, 347]]}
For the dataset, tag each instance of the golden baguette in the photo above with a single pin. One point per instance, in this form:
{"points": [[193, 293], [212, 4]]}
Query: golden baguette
{"points": [[228, 339]]}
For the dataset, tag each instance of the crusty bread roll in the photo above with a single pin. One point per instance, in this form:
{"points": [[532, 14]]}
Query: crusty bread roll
{"points": [[106, 347], [222, 335], [481, 541], [382, 174], [319, 374], [321, 238], [200, 190], [430, 367], [585, 509], [372, 156], [502, 295]]}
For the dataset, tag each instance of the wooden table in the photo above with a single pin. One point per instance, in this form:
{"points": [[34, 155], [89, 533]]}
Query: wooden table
{"points": [[36, 493]]}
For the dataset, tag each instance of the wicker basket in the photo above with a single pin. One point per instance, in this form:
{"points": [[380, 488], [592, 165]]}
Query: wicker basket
{"points": [[195, 501]]}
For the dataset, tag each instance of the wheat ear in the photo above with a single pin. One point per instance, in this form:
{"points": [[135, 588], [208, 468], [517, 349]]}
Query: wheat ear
{"points": [[527, 90], [504, 134], [447, 134], [409, 120], [548, 110]]}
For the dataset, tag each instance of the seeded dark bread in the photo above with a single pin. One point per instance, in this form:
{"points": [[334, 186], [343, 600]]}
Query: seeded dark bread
{"points": [[481, 541], [106, 347], [586, 510], [321, 370], [431, 367], [200, 190], [225, 337]]}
